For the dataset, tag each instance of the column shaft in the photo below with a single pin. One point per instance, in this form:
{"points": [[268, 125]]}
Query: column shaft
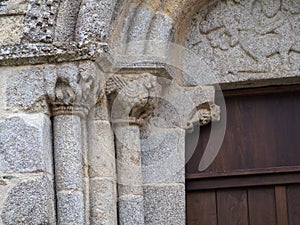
{"points": [[131, 209], [68, 158]]}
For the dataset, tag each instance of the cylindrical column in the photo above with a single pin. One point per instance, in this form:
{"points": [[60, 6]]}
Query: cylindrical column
{"points": [[131, 209], [68, 158]]}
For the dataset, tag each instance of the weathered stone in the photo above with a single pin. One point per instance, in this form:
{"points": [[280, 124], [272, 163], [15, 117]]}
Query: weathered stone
{"points": [[40, 20], [182, 107], [14, 7], [68, 153], [11, 30], [94, 20], [164, 204], [102, 151], [128, 155], [25, 89], [103, 200], [66, 20], [245, 40], [25, 144], [30, 202], [71, 206], [138, 31], [163, 158], [131, 211], [29, 54], [159, 35]]}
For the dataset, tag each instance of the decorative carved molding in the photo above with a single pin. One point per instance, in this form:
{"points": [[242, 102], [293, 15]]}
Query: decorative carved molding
{"points": [[135, 97]]}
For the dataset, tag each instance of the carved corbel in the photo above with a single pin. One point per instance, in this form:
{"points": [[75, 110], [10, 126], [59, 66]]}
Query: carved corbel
{"points": [[185, 107]]}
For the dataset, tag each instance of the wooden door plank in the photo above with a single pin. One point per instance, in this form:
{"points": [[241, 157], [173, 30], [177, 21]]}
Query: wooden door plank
{"points": [[293, 199], [261, 203], [281, 205], [201, 208], [232, 207]]}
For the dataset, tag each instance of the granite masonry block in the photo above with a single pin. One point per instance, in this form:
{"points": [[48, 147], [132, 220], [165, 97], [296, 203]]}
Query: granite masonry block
{"points": [[131, 211], [94, 20], [25, 144], [163, 152], [103, 199], [30, 201], [25, 87], [102, 151], [164, 204], [70, 206], [11, 30]]}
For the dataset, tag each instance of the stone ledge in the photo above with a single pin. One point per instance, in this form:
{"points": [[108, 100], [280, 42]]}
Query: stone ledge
{"points": [[30, 54]]}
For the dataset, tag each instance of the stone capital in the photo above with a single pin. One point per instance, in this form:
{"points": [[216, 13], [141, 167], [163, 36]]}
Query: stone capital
{"points": [[133, 97], [73, 92]]}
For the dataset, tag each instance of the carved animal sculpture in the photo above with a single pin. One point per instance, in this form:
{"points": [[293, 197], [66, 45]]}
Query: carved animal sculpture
{"points": [[259, 27]]}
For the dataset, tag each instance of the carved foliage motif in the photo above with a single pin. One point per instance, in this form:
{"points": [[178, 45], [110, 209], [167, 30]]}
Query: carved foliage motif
{"points": [[249, 36]]}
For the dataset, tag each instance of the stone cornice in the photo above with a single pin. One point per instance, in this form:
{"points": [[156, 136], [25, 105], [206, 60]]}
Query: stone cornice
{"points": [[31, 54]]}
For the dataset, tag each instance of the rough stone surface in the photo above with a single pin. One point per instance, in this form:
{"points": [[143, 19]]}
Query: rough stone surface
{"points": [[163, 156], [180, 106], [165, 204], [11, 30], [131, 211], [71, 206], [28, 54], [94, 20], [103, 201], [138, 31], [159, 35], [48, 48], [68, 153], [245, 40], [25, 88], [14, 7], [128, 156], [40, 20], [102, 151], [66, 20], [30, 202], [25, 144]]}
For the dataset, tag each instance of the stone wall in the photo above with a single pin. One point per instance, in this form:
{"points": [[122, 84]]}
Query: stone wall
{"points": [[96, 97]]}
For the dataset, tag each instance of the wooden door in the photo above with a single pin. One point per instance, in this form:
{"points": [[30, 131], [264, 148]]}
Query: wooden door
{"points": [[255, 179]]}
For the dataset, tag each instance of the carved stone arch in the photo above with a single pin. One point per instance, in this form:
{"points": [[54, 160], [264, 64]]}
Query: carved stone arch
{"points": [[85, 20], [153, 20]]}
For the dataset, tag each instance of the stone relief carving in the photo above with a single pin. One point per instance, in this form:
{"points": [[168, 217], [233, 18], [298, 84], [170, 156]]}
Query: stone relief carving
{"points": [[72, 91], [135, 96], [242, 36], [185, 107]]}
